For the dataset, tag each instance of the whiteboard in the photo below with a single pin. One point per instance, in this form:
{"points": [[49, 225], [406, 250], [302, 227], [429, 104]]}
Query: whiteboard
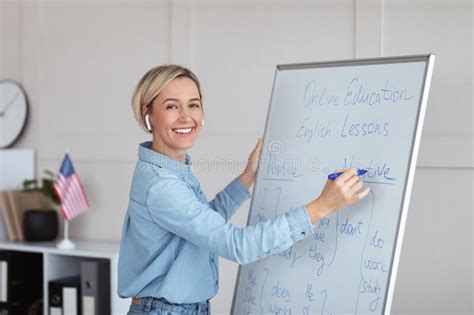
{"points": [[323, 116]]}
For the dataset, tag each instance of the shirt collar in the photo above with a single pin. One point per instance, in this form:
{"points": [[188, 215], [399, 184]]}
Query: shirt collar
{"points": [[145, 153]]}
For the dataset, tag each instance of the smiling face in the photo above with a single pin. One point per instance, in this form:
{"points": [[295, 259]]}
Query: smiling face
{"points": [[176, 116]]}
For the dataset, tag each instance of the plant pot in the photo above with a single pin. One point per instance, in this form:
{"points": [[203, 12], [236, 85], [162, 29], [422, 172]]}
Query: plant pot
{"points": [[40, 225]]}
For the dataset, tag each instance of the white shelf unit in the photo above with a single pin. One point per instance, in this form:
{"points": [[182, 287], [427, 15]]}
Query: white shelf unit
{"points": [[59, 263]]}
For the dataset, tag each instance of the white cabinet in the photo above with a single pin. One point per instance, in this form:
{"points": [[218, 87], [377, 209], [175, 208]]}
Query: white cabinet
{"points": [[59, 263]]}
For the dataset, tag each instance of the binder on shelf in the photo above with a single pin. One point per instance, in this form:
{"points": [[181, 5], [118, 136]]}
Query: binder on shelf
{"points": [[55, 299], [71, 301], [21, 281], [64, 296], [3, 282], [95, 286]]}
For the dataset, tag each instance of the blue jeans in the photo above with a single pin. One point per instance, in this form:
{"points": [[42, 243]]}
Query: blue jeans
{"points": [[158, 306]]}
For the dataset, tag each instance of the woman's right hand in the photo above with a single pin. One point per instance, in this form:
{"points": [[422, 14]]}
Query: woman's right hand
{"points": [[337, 194]]}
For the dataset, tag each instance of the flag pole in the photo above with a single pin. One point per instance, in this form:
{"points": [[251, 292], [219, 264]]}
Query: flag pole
{"points": [[66, 243]]}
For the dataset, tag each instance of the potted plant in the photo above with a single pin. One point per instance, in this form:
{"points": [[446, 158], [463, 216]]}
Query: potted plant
{"points": [[41, 224]]}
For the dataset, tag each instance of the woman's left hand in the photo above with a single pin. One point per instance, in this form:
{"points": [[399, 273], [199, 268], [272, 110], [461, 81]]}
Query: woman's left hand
{"points": [[250, 173]]}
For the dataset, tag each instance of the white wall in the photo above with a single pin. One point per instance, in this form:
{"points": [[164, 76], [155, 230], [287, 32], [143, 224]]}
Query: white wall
{"points": [[80, 60]]}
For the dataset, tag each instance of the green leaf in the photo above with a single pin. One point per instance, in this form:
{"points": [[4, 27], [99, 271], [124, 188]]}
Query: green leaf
{"points": [[30, 185], [50, 174]]}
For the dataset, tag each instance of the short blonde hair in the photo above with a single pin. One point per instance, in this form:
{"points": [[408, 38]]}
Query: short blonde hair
{"points": [[152, 83]]}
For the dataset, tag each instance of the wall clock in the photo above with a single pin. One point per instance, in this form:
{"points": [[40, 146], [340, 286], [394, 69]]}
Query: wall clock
{"points": [[13, 112]]}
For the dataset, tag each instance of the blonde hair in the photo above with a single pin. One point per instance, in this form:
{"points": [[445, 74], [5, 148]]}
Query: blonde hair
{"points": [[152, 83]]}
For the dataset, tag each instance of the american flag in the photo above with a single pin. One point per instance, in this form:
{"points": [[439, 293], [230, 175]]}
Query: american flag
{"points": [[69, 189]]}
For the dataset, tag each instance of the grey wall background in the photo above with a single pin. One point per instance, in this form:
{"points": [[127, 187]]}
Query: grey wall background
{"points": [[80, 60]]}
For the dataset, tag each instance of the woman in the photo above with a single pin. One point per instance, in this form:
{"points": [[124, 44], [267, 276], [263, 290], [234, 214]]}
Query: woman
{"points": [[172, 236]]}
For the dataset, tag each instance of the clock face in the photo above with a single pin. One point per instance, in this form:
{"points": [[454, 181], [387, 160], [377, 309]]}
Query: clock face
{"points": [[13, 112]]}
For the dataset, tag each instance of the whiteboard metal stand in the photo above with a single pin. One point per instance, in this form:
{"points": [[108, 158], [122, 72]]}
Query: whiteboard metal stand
{"points": [[410, 177]]}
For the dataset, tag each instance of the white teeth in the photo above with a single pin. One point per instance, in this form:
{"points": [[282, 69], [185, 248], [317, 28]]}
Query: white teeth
{"points": [[187, 130]]}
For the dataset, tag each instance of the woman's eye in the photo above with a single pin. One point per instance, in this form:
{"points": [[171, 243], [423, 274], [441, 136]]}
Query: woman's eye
{"points": [[195, 105], [171, 106]]}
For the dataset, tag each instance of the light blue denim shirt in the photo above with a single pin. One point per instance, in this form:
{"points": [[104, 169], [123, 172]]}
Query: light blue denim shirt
{"points": [[172, 236]]}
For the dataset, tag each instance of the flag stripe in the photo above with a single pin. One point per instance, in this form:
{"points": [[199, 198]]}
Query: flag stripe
{"points": [[69, 189]]}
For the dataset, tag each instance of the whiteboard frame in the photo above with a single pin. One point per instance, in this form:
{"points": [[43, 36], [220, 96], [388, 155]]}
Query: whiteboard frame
{"points": [[416, 139]]}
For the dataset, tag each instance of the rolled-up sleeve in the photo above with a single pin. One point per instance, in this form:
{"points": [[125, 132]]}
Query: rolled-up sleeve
{"points": [[230, 199], [174, 206]]}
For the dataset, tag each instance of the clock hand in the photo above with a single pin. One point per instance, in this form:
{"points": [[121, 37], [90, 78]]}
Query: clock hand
{"points": [[9, 104]]}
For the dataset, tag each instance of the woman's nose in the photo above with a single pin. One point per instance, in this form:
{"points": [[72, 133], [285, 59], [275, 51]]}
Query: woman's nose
{"points": [[184, 114]]}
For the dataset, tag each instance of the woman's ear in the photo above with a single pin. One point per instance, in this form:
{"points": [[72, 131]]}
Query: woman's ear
{"points": [[147, 123]]}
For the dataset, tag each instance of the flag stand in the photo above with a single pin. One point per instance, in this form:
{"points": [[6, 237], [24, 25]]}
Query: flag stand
{"points": [[69, 190], [66, 243]]}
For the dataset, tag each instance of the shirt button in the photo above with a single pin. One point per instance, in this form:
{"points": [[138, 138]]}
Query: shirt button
{"points": [[303, 234]]}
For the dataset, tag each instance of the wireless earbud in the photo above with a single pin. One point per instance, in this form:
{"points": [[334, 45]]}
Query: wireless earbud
{"points": [[147, 123], [202, 122]]}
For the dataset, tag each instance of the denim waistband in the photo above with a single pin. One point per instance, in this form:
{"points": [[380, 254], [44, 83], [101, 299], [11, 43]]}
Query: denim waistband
{"points": [[163, 304]]}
